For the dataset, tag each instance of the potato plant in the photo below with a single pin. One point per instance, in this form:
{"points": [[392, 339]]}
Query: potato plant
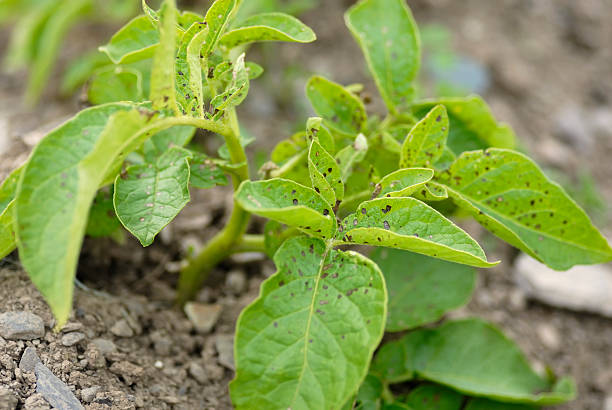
{"points": [[350, 178]]}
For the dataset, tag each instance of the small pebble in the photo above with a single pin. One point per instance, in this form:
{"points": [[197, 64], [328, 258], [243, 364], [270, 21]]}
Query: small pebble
{"points": [[236, 282], [202, 316], [21, 326], [122, 329], [197, 372], [29, 358], [225, 348], [158, 364], [54, 390], [88, 394], [70, 339], [549, 336], [105, 346]]}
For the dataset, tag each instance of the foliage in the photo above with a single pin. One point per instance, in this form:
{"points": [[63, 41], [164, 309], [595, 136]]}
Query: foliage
{"points": [[348, 179]]}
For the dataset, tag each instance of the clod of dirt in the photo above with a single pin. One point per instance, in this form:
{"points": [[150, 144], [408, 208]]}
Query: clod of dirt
{"points": [[54, 390], [122, 329], [70, 339], [197, 372], [8, 401], [203, 317], [21, 326], [236, 282], [128, 371], [36, 402]]}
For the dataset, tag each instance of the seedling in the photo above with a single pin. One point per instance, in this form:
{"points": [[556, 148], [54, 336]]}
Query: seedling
{"points": [[349, 179]]}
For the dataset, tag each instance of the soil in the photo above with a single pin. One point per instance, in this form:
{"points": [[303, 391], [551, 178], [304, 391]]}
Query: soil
{"points": [[548, 60]]}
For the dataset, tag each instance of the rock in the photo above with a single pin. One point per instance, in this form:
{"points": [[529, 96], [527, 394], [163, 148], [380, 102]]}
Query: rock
{"points": [[70, 339], [197, 372], [202, 316], [95, 358], [88, 394], [581, 288], [29, 358], [122, 329], [72, 327], [36, 402], [54, 390], [8, 400], [225, 348], [127, 370], [21, 326], [236, 282], [105, 346], [608, 403], [549, 336]]}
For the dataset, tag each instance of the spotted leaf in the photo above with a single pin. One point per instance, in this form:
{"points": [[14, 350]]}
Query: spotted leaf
{"points": [[268, 27], [325, 173], [425, 143], [403, 182]]}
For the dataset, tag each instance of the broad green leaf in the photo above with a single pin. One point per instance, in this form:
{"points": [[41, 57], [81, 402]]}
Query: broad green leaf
{"points": [[431, 193], [102, 220], [163, 93], [8, 188], [425, 143], [510, 196], [290, 203], [273, 238], [136, 41], [306, 342], [350, 155], [446, 160], [484, 404], [421, 289], [409, 224], [187, 18], [65, 181], [205, 173], [7, 234], [403, 182], [470, 356], [114, 84], [433, 397], [389, 39], [159, 143], [342, 111], [369, 396], [237, 89], [472, 125], [149, 196], [151, 14], [396, 406], [268, 27], [325, 174], [217, 18]]}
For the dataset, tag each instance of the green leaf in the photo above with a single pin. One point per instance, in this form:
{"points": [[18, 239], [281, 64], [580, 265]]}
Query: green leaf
{"points": [[369, 396], [315, 128], [425, 143], [422, 289], [8, 188], [290, 203], [80, 70], [325, 174], [205, 173], [341, 110], [352, 154], [484, 404], [237, 89], [149, 196], [7, 234], [114, 84], [102, 220], [470, 356], [273, 237], [409, 224], [472, 125], [432, 397], [403, 182], [306, 342], [431, 193], [510, 196], [136, 41], [163, 93], [217, 18], [389, 39], [65, 181], [189, 70], [159, 143], [268, 27]]}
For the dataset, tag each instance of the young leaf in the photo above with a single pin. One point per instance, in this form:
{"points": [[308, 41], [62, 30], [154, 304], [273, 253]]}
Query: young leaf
{"points": [[189, 70], [136, 41], [389, 39], [407, 223], [352, 154], [148, 197], [433, 397], [325, 174], [474, 367], [102, 220], [341, 110], [217, 18], [421, 289], [306, 342], [268, 27], [237, 90], [403, 182], [163, 93], [315, 128], [425, 143], [114, 84], [7, 233], [510, 196], [205, 173], [484, 404], [431, 193], [369, 395], [49, 238], [290, 203], [472, 125]]}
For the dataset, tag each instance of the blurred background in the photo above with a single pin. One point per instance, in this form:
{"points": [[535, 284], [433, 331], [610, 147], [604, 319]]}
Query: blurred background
{"points": [[544, 67]]}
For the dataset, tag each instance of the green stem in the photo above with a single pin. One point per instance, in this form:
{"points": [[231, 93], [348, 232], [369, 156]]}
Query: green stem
{"points": [[250, 243], [228, 239]]}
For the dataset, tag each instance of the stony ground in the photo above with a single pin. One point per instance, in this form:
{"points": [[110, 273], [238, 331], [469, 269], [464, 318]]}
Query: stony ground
{"points": [[127, 346]]}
